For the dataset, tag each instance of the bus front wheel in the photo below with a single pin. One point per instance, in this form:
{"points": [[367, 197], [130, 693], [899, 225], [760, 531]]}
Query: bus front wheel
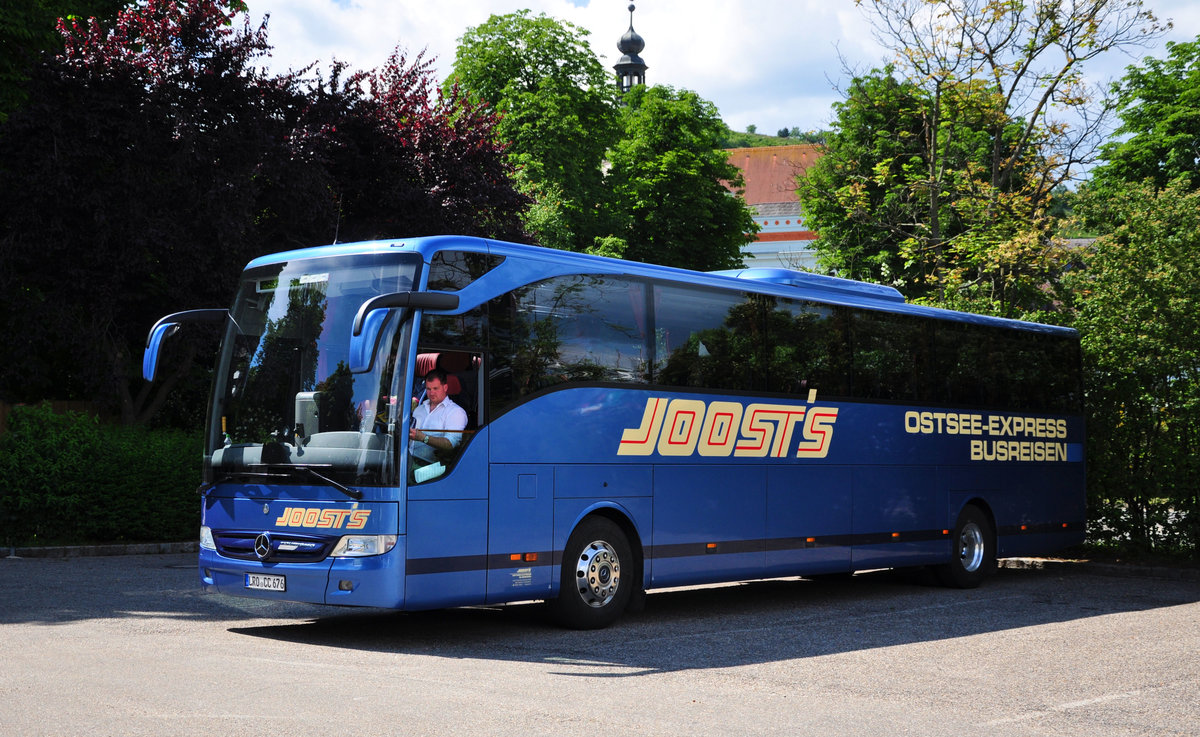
{"points": [[973, 557], [597, 576]]}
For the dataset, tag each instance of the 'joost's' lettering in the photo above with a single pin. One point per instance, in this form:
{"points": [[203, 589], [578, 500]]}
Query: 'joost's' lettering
{"points": [[683, 427]]}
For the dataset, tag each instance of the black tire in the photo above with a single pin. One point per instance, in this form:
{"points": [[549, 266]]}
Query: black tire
{"points": [[597, 577], [973, 556]]}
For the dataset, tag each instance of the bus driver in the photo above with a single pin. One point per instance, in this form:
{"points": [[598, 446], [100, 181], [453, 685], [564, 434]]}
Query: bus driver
{"points": [[438, 422]]}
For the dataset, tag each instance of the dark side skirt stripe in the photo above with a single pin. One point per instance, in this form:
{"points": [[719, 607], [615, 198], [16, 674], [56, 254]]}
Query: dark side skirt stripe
{"points": [[462, 563]]}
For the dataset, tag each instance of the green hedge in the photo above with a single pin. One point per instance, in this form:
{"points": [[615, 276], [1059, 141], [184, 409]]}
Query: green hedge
{"points": [[67, 479]]}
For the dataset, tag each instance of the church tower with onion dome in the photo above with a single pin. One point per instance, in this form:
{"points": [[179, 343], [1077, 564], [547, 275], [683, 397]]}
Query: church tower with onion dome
{"points": [[631, 70]]}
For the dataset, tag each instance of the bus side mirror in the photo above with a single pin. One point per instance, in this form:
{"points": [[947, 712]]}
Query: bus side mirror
{"points": [[363, 344], [165, 328], [372, 316]]}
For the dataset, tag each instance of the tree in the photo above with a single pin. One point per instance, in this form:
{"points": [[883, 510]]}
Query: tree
{"points": [[406, 159], [558, 112], [128, 176], [976, 96], [848, 195], [1159, 136], [1138, 305], [667, 177], [155, 159], [1030, 57], [890, 210], [27, 30]]}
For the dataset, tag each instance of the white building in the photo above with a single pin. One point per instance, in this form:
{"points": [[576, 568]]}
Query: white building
{"points": [[770, 174]]}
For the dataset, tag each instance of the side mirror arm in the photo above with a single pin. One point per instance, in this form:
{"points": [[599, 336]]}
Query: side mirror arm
{"points": [[411, 300], [371, 317], [166, 327]]}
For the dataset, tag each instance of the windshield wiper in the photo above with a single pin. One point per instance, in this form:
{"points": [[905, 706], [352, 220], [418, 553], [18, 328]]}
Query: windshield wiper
{"points": [[281, 472], [352, 493]]}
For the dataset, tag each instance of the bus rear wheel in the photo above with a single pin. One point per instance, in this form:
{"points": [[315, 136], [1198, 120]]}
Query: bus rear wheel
{"points": [[973, 557], [597, 576]]}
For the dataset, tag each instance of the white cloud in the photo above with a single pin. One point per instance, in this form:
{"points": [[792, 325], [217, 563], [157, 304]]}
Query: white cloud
{"points": [[772, 63], [766, 62]]}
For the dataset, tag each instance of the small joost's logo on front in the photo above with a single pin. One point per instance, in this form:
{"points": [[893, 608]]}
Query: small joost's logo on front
{"points": [[324, 519], [683, 427]]}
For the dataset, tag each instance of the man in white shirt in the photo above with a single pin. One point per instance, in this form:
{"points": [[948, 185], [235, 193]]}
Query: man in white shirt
{"points": [[438, 422]]}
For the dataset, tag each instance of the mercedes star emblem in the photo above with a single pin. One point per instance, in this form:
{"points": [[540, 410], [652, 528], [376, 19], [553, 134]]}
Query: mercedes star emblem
{"points": [[262, 546]]}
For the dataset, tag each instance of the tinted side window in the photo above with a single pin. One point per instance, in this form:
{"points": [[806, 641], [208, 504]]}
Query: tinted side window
{"points": [[459, 331], [1065, 379], [1040, 372], [567, 329], [963, 356], [986, 366], [708, 339], [807, 349], [450, 271], [891, 356]]}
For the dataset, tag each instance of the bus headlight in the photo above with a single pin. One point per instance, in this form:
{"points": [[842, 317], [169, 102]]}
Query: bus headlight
{"points": [[206, 539], [359, 546]]}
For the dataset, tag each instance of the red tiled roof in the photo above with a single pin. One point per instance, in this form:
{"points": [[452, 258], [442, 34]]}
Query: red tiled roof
{"points": [[790, 235], [770, 171]]}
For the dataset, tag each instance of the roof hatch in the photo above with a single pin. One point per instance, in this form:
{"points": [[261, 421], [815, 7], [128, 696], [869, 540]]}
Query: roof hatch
{"points": [[817, 282]]}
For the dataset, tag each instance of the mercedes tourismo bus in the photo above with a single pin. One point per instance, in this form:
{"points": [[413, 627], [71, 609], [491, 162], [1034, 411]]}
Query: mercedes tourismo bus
{"points": [[630, 427]]}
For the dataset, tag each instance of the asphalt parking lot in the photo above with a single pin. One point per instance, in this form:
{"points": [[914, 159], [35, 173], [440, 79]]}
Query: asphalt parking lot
{"points": [[130, 645]]}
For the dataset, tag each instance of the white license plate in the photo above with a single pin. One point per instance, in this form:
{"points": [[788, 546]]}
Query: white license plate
{"points": [[265, 582]]}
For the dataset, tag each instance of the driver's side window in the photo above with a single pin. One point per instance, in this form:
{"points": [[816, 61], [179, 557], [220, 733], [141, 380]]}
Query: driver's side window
{"points": [[451, 345]]}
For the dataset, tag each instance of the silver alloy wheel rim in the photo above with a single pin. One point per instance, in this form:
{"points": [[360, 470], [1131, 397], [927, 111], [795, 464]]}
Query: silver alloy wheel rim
{"points": [[598, 573], [971, 547]]}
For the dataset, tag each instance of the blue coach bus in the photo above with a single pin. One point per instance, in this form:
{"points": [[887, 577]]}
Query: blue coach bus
{"points": [[630, 427]]}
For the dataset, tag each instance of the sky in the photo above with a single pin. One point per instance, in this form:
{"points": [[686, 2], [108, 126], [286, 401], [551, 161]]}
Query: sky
{"points": [[768, 63]]}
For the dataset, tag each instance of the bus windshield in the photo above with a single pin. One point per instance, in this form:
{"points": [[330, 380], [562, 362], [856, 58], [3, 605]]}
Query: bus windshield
{"points": [[285, 399]]}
